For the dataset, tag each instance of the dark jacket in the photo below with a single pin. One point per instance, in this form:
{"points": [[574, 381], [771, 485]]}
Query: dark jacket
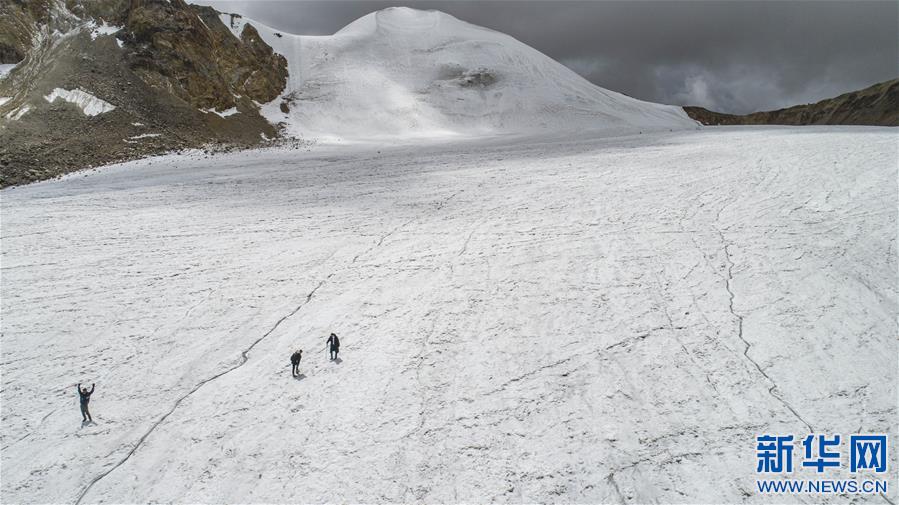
{"points": [[334, 342], [295, 358], [84, 394]]}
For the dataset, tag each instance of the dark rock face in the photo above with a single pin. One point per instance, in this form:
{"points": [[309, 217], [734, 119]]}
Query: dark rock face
{"points": [[187, 50], [877, 105], [167, 64], [479, 78], [474, 78], [17, 21]]}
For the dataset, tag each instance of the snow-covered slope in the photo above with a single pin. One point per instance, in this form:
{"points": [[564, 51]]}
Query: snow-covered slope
{"points": [[602, 321], [406, 72]]}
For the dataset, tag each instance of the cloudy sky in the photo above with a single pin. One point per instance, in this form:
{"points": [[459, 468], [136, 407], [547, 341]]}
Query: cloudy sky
{"points": [[730, 56]]}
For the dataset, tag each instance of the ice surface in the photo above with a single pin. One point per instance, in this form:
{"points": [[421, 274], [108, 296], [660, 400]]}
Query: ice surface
{"points": [[523, 320], [88, 103], [407, 73]]}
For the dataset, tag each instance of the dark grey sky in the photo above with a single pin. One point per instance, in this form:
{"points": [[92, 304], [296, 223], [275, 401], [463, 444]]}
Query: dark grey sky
{"points": [[731, 56]]}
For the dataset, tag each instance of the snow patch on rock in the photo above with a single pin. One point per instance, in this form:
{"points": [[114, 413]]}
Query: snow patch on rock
{"points": [[234, 22], [6, 68], [88, 103], [136, 138], [203, 22], [224, 113], [16, 114], [103, 29]]}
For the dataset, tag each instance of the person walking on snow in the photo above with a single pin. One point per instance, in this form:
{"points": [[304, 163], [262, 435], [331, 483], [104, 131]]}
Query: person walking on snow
{"points": [[334, 345], [295, 361], [85, 399]]}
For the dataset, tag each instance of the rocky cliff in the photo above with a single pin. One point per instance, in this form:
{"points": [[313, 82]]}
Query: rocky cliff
{"points": [[97, 81], [877, 105]]}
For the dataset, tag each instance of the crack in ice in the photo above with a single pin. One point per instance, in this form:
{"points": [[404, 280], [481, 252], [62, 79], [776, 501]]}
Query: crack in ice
{"points": [[243, 360], [728, 280], [245, 354]]}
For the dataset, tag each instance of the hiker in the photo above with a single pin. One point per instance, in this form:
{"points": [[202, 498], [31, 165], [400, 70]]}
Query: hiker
{"points": [[85, 399], [334, 345], [295, 361]]}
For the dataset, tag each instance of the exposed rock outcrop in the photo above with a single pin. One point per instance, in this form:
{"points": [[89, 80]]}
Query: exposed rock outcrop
{"points": [[176, 76], [877, 105]]}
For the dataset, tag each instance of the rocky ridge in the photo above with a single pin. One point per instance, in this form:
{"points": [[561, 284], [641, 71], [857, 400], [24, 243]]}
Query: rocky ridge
{"points": [[175, 77], [876, 105]]}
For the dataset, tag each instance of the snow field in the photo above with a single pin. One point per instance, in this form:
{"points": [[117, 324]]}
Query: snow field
{"points": [[522, 320]]}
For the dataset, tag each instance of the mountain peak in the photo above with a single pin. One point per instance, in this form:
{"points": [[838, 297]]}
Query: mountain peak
{"points": [[402, 72], [396, 19]]}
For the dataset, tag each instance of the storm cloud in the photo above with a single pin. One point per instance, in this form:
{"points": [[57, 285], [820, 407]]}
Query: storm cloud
{"points": [[730, 56]]}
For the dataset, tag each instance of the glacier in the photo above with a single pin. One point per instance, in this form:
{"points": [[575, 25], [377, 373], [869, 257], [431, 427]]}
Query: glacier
{"points": [[523, 320]]}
